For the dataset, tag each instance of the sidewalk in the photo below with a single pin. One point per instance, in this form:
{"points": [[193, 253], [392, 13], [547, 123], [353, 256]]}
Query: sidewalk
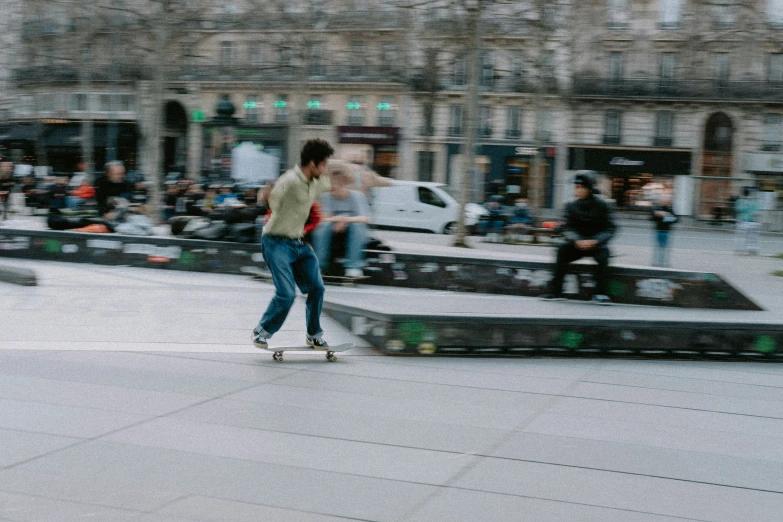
{"points": [[132, 394]]}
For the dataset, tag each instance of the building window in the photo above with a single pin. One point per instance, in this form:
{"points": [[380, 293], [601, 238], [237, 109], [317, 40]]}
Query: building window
{"points": [[671, 13], [775, 68], [487, 70], [664, 129], [281, 108], [389, 55], [253, 108], [722, 69], [612, 128], [668, 61], [616, 66], [256, 54], [485, 121], [428, 116], [316, 60], [545, 125], [426, 166], [547, 65], [455, 120], [775, 13], [772, 132], [386, 109], [357, 59], [723, 15], [618, 14], [458, 77], [104, 103], [226, 53], [286, 59], [355, 110], [514, 123], [44, 102], [78, 102]]}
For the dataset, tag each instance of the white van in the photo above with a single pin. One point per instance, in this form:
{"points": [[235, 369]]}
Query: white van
{"points": [[419, 205]]}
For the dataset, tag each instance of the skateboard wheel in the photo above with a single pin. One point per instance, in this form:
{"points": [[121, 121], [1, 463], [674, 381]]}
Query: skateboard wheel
{"points": [[331, 357], [278, 356]]}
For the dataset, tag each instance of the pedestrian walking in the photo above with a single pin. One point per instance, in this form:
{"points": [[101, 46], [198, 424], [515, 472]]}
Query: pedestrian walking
{"points": [[748, 211], [291, 261], [588, 228], [664, 218]]}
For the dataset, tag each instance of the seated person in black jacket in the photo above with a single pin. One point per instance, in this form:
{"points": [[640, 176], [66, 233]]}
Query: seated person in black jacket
{"points": [[587, 230], [112, 185]]}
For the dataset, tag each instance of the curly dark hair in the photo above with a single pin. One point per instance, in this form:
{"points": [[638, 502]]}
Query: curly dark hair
{"points": [[315, 150]]}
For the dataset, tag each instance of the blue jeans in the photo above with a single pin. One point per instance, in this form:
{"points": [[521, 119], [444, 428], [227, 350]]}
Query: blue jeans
{"points": [[661, 248], [292, 263], [354, 244]]}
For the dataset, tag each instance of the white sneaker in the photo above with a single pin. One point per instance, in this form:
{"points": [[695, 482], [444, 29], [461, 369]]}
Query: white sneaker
{"points": [[354, 272]]}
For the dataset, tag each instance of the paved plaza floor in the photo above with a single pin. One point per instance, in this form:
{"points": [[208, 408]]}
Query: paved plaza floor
{"points": [[133, 394]]}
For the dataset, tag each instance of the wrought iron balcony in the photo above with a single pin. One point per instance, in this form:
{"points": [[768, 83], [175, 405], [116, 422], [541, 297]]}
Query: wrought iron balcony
{"points": [[709, 89], [52, 74], [275, 73]]}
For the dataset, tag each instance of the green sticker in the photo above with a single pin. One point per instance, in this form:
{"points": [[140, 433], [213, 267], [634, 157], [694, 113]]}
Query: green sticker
{"points": [[764, 344], [52, 246], [617, 289], [571, 340], [721, 295], [187, 258], [413, 332]]}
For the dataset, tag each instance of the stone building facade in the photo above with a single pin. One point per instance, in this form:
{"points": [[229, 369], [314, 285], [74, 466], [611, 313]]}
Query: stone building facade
{"points": [[654, 95]]}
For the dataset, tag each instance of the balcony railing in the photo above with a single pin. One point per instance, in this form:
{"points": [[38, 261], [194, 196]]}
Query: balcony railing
{"points": [[318, 117], [513, 134], [49, 74], [276, 72], [659, 141], [611, 139], [589, 86]]}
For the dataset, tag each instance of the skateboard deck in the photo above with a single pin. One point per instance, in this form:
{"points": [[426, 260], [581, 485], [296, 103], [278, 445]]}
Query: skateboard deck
{"points": [[257, 273], [330, 352], [343, 280]]}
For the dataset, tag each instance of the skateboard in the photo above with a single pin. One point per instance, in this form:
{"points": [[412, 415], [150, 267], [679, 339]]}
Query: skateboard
{"points": [[257, 273], [330, 353], [343, 280]]}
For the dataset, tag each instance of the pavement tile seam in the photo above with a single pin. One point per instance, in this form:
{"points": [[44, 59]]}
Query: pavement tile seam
{"points": [[74, 503], [573, 503], [319, 513], [675, 390], [628, 473], [87, 440], [698, 379]]}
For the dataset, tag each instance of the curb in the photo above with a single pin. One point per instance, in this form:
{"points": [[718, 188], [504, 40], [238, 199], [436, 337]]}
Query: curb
{"points": [[18, 276]]}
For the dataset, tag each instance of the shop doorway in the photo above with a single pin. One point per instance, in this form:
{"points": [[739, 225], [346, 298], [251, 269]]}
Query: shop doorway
{"points": [[175, 138], [715, 190]]}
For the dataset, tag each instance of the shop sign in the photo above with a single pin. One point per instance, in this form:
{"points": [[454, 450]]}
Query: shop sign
{"points": [[525, 151], [368, 135], [625, 162], [761, 162]]}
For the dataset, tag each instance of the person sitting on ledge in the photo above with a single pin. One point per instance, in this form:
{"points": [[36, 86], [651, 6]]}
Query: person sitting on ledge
{"points": [[588, 228], [343, 211]]}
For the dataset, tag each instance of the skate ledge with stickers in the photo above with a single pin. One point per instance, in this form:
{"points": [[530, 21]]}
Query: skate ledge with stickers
{"points": [[473, 273]]}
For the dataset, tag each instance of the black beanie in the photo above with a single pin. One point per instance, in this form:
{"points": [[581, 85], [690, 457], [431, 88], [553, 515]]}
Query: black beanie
{"points": [[586, 180]]}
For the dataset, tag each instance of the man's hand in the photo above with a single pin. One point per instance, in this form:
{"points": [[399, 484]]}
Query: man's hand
{"points": [[339, 226], [586, 244]]}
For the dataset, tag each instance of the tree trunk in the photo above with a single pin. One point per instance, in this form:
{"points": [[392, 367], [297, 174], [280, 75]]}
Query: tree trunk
{"points": [[155, 138], [469, 152]]}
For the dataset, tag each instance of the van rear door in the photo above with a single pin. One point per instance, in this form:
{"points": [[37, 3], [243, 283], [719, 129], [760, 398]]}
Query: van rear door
{"points": [[391, 206]]}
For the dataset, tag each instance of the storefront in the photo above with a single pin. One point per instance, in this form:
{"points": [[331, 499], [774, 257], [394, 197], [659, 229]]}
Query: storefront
{"points": [[764, 170], [372, 146], [506, 170], [220, 141], [62, 143], [635, 178]]}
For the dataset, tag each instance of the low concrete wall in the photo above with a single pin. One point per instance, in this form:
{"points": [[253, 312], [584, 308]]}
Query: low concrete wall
{"points": [[18, 276], [630, 285]]}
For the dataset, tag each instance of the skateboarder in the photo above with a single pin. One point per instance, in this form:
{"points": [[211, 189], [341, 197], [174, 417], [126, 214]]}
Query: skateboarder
{"points": [[291, 261], [588, 228]]}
